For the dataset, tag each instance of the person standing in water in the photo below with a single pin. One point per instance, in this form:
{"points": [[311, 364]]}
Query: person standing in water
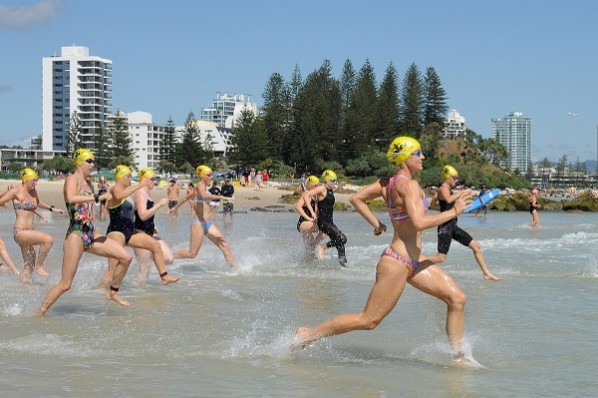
{"points": [[26, 202], [103, 187], [450, 230], [81, 235], [484, 208], [228, 192], [172, 192], [202, 224], [402, 262], [121, 229], [324, 195], [533, 209]]}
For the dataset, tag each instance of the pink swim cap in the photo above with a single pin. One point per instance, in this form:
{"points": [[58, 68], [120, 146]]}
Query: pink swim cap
{"points": [[535, 191]]}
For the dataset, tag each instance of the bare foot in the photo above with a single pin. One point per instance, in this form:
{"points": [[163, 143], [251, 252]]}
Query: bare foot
{"points": [[301, 339], [41, 271], [112, 295], [167, 279], [321, 249], [25, 277], [491, 277], [461, 361]]}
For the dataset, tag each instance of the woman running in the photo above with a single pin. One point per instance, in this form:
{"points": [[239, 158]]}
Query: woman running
{"points": [[402, 261], [81, 235], [103, 187], [202, 223], [307, 224], [121, 209], [26, 202], [325, 216], [145, 212]]}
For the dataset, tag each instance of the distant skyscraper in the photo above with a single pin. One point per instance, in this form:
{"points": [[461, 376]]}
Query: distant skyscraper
{"points": [[454, 125], [514, 131], [74, 81], [226, 108]]}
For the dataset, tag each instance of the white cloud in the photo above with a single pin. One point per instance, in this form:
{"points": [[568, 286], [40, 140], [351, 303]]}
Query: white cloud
{"points": [[22, 17]]}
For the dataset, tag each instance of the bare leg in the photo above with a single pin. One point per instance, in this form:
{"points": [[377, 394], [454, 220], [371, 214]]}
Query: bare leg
{"points": [[479, 257], [72, 252], [391, 277], [28, 253], [434, 281], [44, 249], [112, 248], [196, 239], [144, 241], [6, 258], [218, 239], [143, 260]]}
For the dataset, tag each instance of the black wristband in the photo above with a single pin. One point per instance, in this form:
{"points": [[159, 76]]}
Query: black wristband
{"points": [[51, 208]]}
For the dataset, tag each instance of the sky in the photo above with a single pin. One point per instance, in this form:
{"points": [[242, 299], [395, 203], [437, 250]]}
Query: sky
{"points": [[537, 57]]}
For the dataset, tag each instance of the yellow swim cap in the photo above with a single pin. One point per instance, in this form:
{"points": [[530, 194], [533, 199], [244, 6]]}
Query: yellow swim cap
{"points": [[449, 171], [401, 148], [202, 170], [28, 174], [121, 171], [146, 172], [312, 181], [81, 155], [328, 175]]}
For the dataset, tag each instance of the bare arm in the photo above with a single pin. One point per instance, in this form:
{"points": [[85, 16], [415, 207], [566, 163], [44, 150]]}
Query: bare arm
{"points": [[359, 201], [8, 195], [412, 202], [314, 192], [141, 205], [444, 193]]}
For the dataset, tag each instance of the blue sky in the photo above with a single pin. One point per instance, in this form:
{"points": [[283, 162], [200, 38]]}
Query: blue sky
{"points": [[170, 57]]}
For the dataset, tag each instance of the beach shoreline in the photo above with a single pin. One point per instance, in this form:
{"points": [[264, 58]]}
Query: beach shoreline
{"points": [[245, 197]]}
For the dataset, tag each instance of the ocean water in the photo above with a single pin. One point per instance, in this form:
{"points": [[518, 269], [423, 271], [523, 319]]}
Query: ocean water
{"points": [[219, 333]]}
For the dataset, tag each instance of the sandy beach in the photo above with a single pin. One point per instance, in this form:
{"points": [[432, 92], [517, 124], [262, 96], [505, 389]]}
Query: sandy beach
{"points": [[245, 197]]}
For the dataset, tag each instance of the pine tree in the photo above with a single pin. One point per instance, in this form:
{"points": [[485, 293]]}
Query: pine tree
{"points": [[361, 118], [412, 100], [190, 149], [121, 142], [347, 82], [388, 108], [249, 141], [101, 146], [435, 106], [168, 146], [276, 115], [72, 140]]}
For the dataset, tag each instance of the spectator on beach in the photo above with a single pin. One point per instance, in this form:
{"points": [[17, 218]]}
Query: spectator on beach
{"points": [[214, 203], [172, 192], [228, 192]]}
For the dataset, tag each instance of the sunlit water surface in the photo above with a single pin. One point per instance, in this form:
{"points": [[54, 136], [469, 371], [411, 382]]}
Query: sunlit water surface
{"points": [[219, 333]]}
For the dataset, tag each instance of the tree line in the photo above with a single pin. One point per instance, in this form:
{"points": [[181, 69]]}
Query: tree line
{"points": [[308, 125]]}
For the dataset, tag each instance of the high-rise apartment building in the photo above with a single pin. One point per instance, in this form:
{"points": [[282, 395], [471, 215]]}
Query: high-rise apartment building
{"points": [[514, 131], [454, 125], [74, 81], [226, 108]]}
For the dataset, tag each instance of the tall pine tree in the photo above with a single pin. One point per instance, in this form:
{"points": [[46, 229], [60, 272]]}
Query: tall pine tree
{"points": [[435, 106], [388, 108], [121, 143], [412, 101], [190, 150]]}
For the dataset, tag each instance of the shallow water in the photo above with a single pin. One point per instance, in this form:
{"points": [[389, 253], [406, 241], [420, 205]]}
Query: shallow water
{"points": [[219, 333]]}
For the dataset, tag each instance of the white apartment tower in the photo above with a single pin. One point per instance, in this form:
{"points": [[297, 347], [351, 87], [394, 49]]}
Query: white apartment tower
{"points": [[74, 81], [514, 131], [226, 108], [454, 125]]}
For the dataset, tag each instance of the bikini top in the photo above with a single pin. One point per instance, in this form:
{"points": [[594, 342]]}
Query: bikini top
{"points": [[25, 203], [199, 199], [394, 213]]}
